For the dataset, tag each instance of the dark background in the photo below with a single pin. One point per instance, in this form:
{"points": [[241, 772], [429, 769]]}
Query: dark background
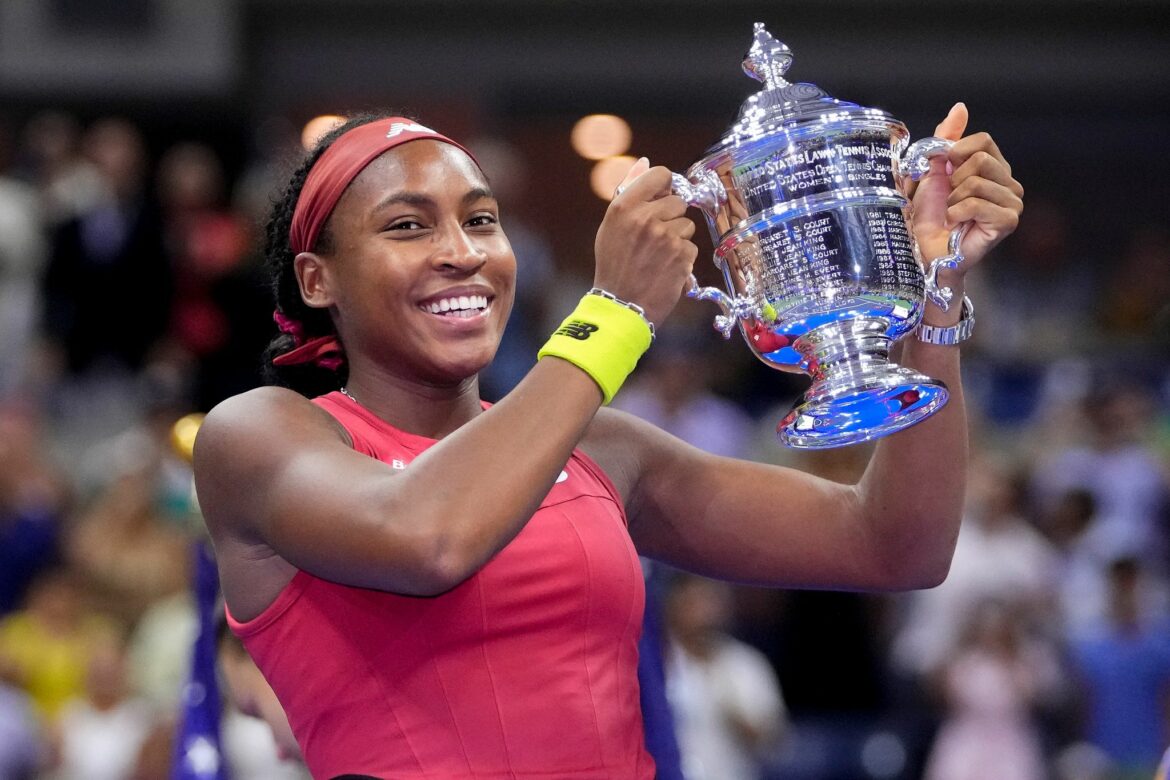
{"points": [[1076, 92]]}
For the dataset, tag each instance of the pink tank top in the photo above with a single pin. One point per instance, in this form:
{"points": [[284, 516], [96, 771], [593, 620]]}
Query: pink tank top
{"points": [[528, 669]]}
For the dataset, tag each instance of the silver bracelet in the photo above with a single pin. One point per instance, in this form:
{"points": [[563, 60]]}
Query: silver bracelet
{"points": [[953, 334], [631, 306]]}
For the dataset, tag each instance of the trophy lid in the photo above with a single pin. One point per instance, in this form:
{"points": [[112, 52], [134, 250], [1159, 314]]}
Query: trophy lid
{"points": [[780, 103]]}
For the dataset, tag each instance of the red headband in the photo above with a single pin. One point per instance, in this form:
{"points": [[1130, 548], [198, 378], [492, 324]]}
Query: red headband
{"points": [[341, 163]]}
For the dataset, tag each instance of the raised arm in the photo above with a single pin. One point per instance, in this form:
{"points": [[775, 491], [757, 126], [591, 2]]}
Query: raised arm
{"points": [[897, 527]]}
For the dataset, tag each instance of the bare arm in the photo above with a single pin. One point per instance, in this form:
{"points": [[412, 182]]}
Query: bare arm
{"points": [[273, 468], [764, 524], [735, 519], [897, 527]]}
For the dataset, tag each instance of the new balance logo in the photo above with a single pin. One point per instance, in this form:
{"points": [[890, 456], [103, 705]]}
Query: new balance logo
{"points": [[398, 128], [577, 330]]}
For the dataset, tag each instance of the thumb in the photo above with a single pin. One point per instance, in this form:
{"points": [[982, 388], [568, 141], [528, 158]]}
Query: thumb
{"points": [[930, 197], [955, 123], [640, 166]]}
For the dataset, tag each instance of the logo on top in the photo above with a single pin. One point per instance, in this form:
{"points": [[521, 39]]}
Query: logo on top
{"points": [[398, 128]]}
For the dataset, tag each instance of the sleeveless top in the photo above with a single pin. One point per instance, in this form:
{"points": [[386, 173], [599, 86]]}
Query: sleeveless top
{"points": [[528, 669]]}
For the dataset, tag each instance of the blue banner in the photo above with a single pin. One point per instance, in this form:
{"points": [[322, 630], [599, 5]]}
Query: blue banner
{"points": [[197, 745]]}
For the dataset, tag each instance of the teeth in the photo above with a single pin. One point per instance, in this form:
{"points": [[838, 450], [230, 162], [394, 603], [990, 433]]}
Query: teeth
{"points": [[463, 305]]}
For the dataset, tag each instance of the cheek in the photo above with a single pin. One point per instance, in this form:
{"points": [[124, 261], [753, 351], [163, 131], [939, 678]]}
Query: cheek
{"points": [[505, 280]]}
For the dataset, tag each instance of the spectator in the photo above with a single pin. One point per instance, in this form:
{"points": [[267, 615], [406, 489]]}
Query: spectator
{"points": [[1125, 668], [728, 708], [1120, 469], [991, 686], [46, 647], [33, 498], [100, 733], [1043, 288], [101, 255], [215, 320], [68, 183], [128, 553]]}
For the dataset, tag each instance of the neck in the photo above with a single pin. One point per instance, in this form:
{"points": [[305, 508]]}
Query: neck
{"points": [[426, 410]]}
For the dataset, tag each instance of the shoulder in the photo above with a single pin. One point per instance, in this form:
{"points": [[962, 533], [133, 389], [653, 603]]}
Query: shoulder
{"points": [[246, 439], [267, 411]]}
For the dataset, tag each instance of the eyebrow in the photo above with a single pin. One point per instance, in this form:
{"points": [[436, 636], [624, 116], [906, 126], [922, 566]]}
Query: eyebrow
{"points": [[419, 199]]}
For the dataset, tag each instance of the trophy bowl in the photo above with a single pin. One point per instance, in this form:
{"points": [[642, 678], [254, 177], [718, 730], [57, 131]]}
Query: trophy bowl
{"points": [[808, 218]]}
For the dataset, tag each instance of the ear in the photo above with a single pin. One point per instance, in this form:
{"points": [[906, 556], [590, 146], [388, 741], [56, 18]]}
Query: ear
{"points": [[314, 280]]}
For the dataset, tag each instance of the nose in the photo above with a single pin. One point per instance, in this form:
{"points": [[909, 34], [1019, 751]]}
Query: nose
{"points": [[456, 250]]}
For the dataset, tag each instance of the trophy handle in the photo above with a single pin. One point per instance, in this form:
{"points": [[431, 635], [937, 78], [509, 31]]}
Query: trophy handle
{"points": [[733, 308], [706, 192], [916, 164]]}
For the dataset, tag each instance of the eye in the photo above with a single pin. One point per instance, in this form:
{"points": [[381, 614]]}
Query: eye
{"points": [[483, 220], [405, 224]]}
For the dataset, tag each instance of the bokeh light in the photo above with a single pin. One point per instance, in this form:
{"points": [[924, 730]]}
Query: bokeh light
{"points": [[317, 127], [607, 174], [598, 136]]}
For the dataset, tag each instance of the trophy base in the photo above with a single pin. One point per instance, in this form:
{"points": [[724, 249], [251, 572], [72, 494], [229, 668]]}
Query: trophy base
{"points": [[857, 393], [860, 414]]}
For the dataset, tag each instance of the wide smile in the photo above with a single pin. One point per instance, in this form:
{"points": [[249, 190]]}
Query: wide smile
{"points": [[458, 307]]}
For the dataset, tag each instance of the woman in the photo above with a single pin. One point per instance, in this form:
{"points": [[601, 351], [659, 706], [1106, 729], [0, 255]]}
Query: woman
{"points": [[434, 588]]}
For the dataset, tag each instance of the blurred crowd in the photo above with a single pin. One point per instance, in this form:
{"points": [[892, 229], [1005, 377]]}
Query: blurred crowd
{"points": [[132, 293]]}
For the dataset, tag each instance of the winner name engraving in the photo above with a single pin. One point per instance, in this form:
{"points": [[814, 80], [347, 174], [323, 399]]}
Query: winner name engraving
{"points": [[842, 251]]}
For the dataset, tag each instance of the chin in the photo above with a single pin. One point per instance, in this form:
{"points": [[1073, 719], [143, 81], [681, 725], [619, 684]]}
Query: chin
{"points": [[462, 365]]}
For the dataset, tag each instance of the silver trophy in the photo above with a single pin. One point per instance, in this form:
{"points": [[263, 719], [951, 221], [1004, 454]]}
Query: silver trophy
{"points": [[808, 221]]}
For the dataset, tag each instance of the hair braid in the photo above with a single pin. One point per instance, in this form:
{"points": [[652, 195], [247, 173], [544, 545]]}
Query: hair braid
{"points": [[308, 379]]}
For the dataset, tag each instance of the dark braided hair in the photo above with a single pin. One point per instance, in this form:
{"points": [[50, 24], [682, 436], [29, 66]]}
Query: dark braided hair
{"points": [[307, 379]]}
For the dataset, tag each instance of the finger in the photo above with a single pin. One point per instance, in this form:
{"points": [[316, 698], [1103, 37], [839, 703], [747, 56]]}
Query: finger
{"points": [[982, 165], [640, 166], [651, 184], [668, 207], [973, 144], [990, 217], [954, 124], [683, 227], [985, 189]]}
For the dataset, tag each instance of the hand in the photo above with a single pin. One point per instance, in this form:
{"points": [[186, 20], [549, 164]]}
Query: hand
{"points": [[972, 183], [644, 251]]}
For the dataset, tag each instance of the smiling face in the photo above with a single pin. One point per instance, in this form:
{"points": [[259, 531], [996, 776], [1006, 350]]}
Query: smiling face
{"points": [[418, 274]]}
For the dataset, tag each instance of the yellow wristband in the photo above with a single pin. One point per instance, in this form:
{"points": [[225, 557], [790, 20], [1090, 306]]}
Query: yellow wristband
{"points": [[604, 339]]}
